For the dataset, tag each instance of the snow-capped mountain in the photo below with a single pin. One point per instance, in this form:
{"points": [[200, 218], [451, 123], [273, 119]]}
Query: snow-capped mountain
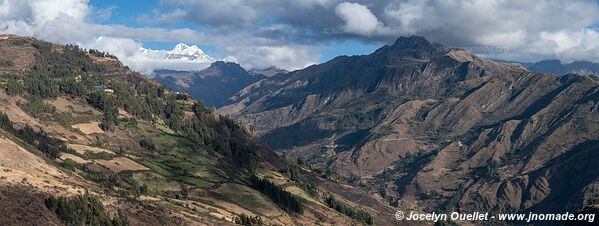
{"points": [[182, 57], [191, 53]]}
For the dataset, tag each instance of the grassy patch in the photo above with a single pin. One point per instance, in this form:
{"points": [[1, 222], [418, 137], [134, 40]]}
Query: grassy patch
{"points": [[295, 190], [157, 183], [246, 197], [157, 167], [274, 177], [96, 155], [160, 125], [127, 123], [195, 181]]}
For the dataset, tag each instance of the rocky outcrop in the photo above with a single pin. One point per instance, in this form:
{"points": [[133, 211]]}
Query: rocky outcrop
{"points": [[436, 128]]}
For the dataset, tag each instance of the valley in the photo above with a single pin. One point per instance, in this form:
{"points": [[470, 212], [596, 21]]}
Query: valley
{"points": [[437, 129], [299, 112], [79, 127]]}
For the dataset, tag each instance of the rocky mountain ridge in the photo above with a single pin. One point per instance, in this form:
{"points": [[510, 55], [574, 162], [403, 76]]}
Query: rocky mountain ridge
{"points": [[84, 139], [213, 85], [436, 129], [559, 68]]}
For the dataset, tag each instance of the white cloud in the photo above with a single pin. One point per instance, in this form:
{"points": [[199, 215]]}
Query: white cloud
{"points": [[217, 12], [172, 17], [289, 34], [103, 14], [532, 30], [292, 57], [73, 21], [68, 21], [143, 60], [358, 18], [312, 3], [28, 16], [406, 13], [570, 46]]}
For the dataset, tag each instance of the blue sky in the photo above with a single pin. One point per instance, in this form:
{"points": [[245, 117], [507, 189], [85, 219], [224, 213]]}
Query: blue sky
{"points": [[132, 13], [293, 34]]}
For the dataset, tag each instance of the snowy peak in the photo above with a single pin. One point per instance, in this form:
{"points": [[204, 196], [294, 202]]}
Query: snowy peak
{"points": [[185, 52], [185, 49]]}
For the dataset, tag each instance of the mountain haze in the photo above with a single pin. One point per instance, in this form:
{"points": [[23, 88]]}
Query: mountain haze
{"points": [[559, 68]]}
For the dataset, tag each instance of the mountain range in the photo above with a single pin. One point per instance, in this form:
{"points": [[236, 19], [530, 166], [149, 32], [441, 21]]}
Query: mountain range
{"points": [[86, 141], [557, 67], [185, 52], [411, 127], [213, 85], [436, 130]]}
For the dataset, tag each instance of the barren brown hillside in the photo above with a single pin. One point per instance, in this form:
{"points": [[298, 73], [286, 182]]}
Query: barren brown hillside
{"points": [[436, 129], [77, 124]]}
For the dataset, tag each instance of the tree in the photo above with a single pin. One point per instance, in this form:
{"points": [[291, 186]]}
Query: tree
{"points": [[184, 191], [14, 88], [284, 199], [5, 122], [359, 215], [83, 210], [246, 220]]}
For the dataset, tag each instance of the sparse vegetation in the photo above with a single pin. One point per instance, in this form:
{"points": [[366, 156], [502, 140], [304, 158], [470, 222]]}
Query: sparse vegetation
{"points": [[96, 155], [453, 201], [84, 210], [14, 87], [359, 119], [37, 108], [189, 144], [70, 164], [98, 53], [147, 144], [6, 63], [295, 175], [71, 61], [284, 199], [489, 170], [47, 145], [136, 189], [359, 215], [246, 220], [108, 105]]}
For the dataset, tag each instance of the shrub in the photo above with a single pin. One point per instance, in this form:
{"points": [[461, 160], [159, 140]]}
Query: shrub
{"points": [[359, 215], [284, 199], [246, 220], [83, 210]]}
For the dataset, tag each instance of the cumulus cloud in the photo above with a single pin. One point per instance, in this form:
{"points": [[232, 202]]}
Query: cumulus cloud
{"points": [[531, 30], [143, 60], [293, 57], [358, 19], [70, 21], [221, 12], [290, 34], [77, 22]]}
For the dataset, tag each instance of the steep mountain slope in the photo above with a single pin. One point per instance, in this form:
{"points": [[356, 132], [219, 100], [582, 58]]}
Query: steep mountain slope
{"points": [[431, 128], [213, 85], [557, 67], [83, 139]]}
